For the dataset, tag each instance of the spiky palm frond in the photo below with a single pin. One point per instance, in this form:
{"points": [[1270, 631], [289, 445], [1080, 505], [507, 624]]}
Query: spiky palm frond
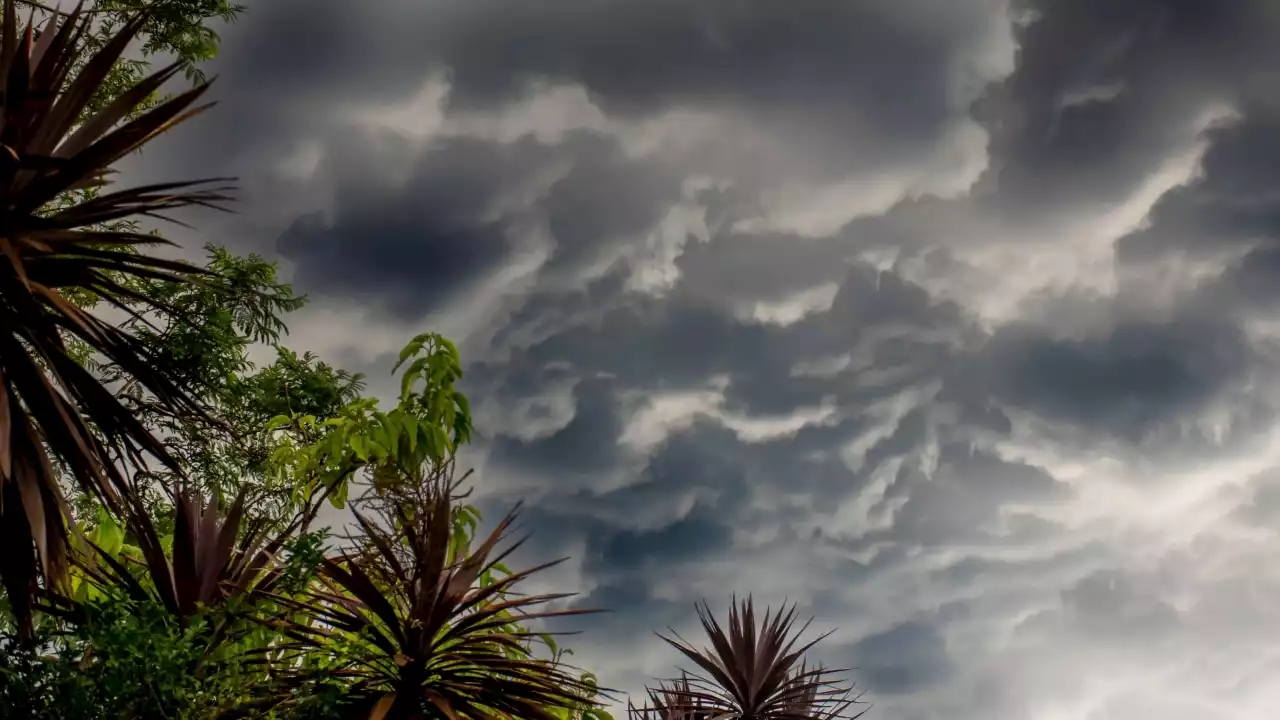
{"points": [[212, 558], [673, 700], [751, 672], [431, 636], [56, 417]]}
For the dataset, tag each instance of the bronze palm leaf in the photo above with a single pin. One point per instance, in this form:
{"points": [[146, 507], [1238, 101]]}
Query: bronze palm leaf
{"points": [[59, 236]]}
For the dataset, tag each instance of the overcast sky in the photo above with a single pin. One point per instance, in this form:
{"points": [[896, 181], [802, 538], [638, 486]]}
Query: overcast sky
{"points": [[954, 322]]}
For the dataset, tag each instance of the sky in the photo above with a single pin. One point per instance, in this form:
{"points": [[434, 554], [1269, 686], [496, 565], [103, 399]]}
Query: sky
{"points": [[954, 322]]}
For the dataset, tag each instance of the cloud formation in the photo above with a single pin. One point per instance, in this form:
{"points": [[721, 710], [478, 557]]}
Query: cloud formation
{"points": [[951, 321]]}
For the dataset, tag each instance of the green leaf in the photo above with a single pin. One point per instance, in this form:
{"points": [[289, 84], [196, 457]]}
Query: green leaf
{"points": [[109, 535], [413, 348], [551, 643], [406, 384], [360, 447], [410, 424], [338, 498]]}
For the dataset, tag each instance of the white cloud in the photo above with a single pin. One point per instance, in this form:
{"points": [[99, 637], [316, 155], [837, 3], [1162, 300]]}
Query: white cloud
{"points": [[659, 415], [793, 309], [1016, 273], [947, 171]]}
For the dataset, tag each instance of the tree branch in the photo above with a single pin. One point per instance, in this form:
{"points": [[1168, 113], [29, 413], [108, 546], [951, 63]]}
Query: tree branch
{"points": [[42, 6], [55, 11]]}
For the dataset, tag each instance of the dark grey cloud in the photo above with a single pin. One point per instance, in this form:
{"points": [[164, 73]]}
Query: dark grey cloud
{"points": [[604, 199], [1104, 92], [905, 658], [1227, 219], [418, 243], [1230, 205], [970, 494], [1127, 382], [810, 66], [460, 215], [964, 495], [586, 445], [697, 341], [761, 266], [796, 86], [692, 537]]}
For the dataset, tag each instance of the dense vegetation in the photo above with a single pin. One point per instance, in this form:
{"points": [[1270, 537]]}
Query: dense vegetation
{"points": [[159, 492]]}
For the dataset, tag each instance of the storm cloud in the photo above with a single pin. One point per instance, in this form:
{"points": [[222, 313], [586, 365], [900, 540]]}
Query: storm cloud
{"points": [[949, 320]]}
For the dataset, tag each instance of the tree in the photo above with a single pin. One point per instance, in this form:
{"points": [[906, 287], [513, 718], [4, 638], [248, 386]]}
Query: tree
{"points": [[429, 625], [751, 672], [239, 303], [54, 413], [179, 29], [222, 617]]}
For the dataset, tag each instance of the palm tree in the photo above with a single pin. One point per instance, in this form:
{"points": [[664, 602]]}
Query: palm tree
{"points": [[751, 672], [431, 629], [61, 237]]}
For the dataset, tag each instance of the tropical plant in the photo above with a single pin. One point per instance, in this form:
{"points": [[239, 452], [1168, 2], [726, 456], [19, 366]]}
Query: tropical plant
{"points": [[418, 622], [176, 29], [291, 628], [57, 417], [239, 303], [197, 598], [362, 444], [123, 659], [751, 672], [209, 560], [427, 634]]}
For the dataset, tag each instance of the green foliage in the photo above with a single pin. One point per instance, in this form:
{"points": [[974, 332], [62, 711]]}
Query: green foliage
{"points": [[295, 385], [587, 707], [404, 444], [241, 302], [125, 659], [178, 29], [305, 552], [111, 653], [239, 654]]}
